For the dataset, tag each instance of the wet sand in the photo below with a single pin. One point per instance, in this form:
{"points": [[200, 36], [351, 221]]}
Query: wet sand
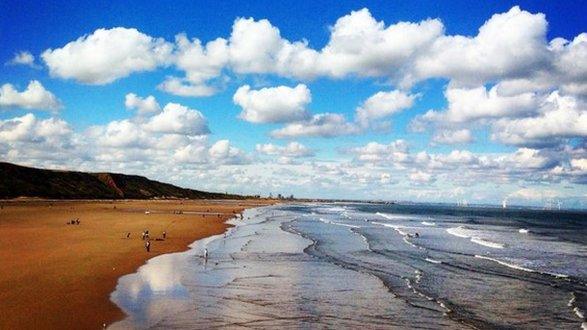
{"points": [[60, 276]]}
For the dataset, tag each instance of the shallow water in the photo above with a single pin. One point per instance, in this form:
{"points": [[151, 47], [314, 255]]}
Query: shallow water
{"points": [[351, 265]]}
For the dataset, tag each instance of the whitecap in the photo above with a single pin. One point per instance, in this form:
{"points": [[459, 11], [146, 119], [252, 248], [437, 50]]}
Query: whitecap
{"points": [[425, 223], [462, 232], [510, 265], [390, 216], [459, 231], [490, 244]]}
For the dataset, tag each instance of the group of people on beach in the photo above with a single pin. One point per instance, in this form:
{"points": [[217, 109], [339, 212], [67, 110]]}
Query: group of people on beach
{"points": [[145, 237]]}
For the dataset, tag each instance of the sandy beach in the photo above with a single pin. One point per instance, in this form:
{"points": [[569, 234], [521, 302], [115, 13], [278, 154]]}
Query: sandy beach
{"points": [[59, 276]]}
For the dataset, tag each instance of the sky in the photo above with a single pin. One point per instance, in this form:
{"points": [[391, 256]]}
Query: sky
{"points": [[423, 101]]}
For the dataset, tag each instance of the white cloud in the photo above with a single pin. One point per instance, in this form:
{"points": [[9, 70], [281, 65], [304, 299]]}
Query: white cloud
{"points": [[224, 153], [579, 164], [35, 96], [509, 44], [526, 158], [457, 157], [469, 104], [200, 63], [143, 106], [560, 117], [320, 125], [452, 136], [107, 55], [421, 177], [23, 58], [29, 129], [280, 104], [254, 46], [383, 104], [360, 45], [178, 119], [292, 149], [119, 134], [533, 194], [182, 87], [396, 151], [571, 63], [191, 153]]}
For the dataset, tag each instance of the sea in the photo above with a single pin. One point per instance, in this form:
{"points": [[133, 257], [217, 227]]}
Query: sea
{"points": [[373, 266]]}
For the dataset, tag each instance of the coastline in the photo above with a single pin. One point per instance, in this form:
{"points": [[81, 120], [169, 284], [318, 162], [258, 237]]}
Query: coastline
{"points": [[157, 275], [61, 276]]}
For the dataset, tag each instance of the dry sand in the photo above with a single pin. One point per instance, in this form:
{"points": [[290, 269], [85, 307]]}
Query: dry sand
{"points": [[59, 276]]}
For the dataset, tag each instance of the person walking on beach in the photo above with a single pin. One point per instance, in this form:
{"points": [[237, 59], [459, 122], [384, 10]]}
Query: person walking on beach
{"points": [[164, 234], [206, 254], [148, 246]]}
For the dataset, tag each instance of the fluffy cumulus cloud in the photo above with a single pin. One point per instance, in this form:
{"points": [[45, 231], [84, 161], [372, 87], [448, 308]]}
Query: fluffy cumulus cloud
{"points": [[223, 152], [396, 151], [29, 128], [23, 58], [505, 84], [383, 104], [143, 106], [178, 119], [361, 45], [559, 117], [421, 177], [452, 136], [528, 119], [526, 163], [172, 137], [32, 140], [35, 96], [200, 63], [292, 149], [107, 55], [280, 104], [284, 104], [326, 125], [469, 104], [510, 44]]}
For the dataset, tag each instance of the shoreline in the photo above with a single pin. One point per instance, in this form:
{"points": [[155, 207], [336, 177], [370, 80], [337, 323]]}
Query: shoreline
{"points": [[64, 275], [120, 323]]}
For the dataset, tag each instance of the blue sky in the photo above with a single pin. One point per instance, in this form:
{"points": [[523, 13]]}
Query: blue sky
{"points": [[492, 115]]}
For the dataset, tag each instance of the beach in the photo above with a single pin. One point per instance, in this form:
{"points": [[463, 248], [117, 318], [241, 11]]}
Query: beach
{"points": [[59, 276], [320, 265]]}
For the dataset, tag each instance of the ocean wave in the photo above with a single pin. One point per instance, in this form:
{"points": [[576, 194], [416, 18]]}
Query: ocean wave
{"points": [[459, 231], [428, 223], [518, 267], [462, 232], [433, 261], [490, 244], [391, 216], [509, 265], [338, 224], [580, 314], [394, 227], [523, 231]]}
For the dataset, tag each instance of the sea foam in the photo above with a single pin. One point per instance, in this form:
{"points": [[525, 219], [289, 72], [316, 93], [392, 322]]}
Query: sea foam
{"points": [[462, 232]]}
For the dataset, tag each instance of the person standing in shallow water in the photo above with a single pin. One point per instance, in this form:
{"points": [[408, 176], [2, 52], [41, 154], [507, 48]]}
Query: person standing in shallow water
{"points": [[206, 254]]}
